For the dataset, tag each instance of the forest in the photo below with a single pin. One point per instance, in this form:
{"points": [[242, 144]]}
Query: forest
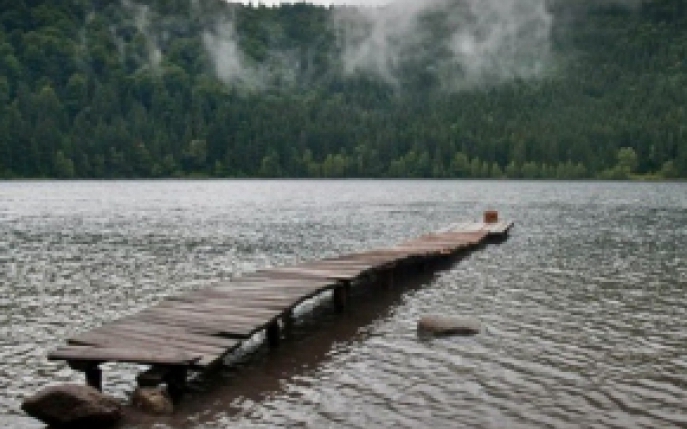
{"points": [[551, 89]]}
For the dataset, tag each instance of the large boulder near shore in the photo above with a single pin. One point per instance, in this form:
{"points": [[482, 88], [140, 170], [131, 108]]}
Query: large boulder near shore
{"points": [[152, 400], [73, 406], [448, 325]]}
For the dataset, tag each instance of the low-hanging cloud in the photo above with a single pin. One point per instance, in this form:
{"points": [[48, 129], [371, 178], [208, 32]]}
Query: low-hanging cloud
{"points": [[232, 66], [277, 66], [456, 43], [141, 17], [223, 49], [472, 41], [375, 39]]}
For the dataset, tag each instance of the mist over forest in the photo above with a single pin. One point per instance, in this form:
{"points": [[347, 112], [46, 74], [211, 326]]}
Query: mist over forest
{"points": [[555, 89]]}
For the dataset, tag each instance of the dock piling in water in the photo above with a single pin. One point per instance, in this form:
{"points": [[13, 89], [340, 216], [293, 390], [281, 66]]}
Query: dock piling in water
{"points": [[340, 296]]}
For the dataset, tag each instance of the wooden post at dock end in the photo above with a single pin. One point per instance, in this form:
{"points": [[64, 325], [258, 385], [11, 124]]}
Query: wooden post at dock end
{"points": [[491, 216], [92, 371], [273, 334]]}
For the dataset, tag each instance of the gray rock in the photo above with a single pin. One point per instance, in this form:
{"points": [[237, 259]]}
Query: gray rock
{"points": [[73, 406], [152, 400], [448, 325]]}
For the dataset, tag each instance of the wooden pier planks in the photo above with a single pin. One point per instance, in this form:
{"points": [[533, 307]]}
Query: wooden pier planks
{"points": [[498, 228], [200, 327], [152, 356]]}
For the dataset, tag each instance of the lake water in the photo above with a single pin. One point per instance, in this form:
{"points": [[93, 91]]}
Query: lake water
{"points": [[585, 306]]}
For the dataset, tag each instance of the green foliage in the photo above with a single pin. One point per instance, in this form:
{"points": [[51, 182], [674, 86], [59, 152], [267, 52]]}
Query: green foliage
{"points": [[626, 165], [668, 171], [103, 89], [64, 167]]}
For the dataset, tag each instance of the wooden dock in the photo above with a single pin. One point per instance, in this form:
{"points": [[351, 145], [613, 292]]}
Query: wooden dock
{"points": [[196, 330]]}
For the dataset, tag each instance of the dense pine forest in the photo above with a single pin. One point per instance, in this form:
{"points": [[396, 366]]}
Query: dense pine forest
{"points": [[561, 89]]}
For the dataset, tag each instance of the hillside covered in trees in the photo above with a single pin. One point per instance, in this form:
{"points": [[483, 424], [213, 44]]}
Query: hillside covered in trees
{"points": [[503, 88]]}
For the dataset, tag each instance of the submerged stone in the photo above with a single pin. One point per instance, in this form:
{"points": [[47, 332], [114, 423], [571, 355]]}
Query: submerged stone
{"points": [[152, 400], [448, 325]]}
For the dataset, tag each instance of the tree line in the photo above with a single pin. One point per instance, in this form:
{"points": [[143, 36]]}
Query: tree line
{"points": [[85, 93]]}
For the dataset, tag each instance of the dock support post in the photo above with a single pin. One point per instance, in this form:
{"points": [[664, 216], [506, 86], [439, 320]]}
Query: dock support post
{"points": [[176, 382], [94, 377], [92, 371], [287, 321], [341, 296], [389, 278], [153, 376], [274, 334]]}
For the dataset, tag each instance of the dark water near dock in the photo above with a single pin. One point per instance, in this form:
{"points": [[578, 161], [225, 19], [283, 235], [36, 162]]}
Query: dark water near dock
{"points": [[585, 306]]}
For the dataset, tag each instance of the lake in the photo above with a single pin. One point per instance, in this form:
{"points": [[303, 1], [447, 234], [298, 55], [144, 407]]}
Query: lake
{"points": [[585, 306]]}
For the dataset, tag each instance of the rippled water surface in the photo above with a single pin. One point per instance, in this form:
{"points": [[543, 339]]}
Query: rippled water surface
{"points": [[585, 306]]}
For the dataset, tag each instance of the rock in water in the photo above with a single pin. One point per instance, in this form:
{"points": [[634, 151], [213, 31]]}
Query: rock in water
{"points": [[448, 325], [73, 406], [152, 400]]}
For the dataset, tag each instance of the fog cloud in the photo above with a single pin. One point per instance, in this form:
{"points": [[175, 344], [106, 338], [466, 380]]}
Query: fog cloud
{"points": [[141, 16], [222, 46], [457, 43], [480, 41]]}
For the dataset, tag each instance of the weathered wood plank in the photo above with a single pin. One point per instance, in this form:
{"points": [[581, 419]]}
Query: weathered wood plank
{"points": [[240, 296], [304, 273], [249, 302], [213, 317], [234, 330], [224, 319], [276, 295], [269, 282], [499, 228], [116, 354], [237, 295], [125, 340], [257, 277], [113, 334], [341, 263], [276, 290], [368, 258], [163, 331], [329, 273], [220, 307]]}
